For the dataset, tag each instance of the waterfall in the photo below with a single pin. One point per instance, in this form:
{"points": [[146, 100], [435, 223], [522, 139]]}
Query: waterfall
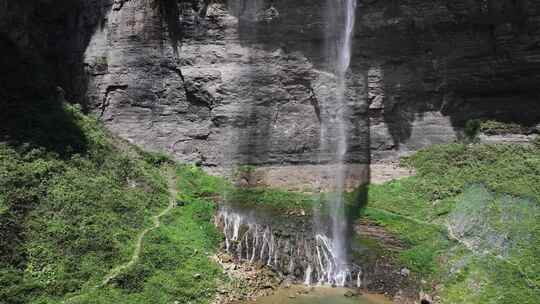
{"points": [[291, 249], [313, 251], [334, 136], [309, 271], [344, 57]]}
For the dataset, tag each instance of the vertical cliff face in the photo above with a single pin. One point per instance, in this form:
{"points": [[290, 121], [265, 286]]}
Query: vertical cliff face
{"points": [[26, 48], [134, 80], [435, 64], [257, 67], [43, 43], [255, 73], [249, 81]]}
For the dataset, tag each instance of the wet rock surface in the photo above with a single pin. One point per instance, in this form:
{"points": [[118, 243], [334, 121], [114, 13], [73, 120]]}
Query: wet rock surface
{"points": [[375, 250], [287, 246], [284, 242], [247, 281]]}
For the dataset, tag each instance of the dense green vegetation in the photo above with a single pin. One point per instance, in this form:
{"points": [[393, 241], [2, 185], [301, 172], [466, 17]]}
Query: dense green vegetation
{"points": [[175, 263], [70, 204], [212, 187], [277, 199], [73, 200], [493, 127], [474, 127], [471, 220]]}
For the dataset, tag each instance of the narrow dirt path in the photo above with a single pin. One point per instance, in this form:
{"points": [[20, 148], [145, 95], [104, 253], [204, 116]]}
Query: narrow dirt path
{"points": [[156, 223]]}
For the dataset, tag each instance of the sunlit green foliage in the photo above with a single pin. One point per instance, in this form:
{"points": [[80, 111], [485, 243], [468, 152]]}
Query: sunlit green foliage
{"points": [[175, 262], [470, 219], [278, 199], [71, 208], [494, 127]]}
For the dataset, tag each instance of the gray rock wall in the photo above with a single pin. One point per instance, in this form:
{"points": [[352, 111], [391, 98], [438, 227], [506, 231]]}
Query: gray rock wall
{"points": [[435, 64], [218, 82], [226, 95]]}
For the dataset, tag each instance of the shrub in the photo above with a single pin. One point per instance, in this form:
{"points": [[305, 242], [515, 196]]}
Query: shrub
{"points": [[493, 127], [472, 128], [156, 158]]}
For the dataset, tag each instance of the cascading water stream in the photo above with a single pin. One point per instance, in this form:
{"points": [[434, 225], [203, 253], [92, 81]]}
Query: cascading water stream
{"points": [[292, 250], [343, 17]]}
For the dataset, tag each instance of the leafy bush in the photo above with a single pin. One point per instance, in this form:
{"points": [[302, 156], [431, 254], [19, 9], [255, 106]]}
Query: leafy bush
{"points": [[46, 124], [536, 142], [156, 159], [472, 128], [493, 127], [445, 170], [174, 263], [278, 199]]}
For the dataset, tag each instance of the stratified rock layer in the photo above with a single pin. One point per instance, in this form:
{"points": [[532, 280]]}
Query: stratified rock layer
{"points": [[249, 81]]}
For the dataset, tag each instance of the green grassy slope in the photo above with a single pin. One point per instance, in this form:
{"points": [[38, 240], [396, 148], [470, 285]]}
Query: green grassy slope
{"points": [[175, 264], [471, 220], [72, 202]]}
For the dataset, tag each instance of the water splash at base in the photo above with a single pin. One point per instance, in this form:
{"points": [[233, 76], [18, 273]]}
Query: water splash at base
{"points": [[294, 251]]}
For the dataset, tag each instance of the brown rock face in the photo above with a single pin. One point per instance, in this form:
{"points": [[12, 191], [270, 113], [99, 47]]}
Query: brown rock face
{"points": [[219, 82]]}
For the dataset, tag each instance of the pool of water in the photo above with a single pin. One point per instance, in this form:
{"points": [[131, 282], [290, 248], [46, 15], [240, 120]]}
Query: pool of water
{"points": [[319, 295]]}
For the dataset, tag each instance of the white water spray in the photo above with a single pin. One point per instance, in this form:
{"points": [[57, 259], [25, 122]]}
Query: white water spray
{"points": [[359, 279], [298, 253], [335, 125], [307, 279]]}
